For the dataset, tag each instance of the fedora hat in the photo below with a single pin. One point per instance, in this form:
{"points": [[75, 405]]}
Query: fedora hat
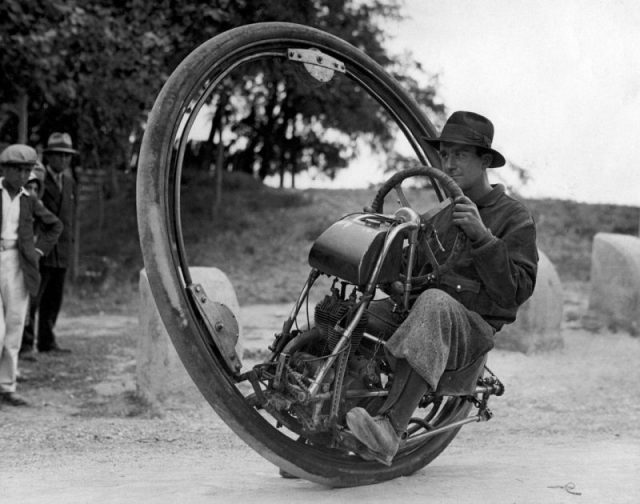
{"points": [[19, 154], [60, 142], [469, 128]]}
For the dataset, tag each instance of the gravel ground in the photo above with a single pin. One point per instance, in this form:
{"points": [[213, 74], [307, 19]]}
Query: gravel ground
{"points": [[568, 418]]}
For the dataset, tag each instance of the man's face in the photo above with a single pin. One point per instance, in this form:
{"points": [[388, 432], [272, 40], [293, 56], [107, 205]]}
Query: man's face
{"points": [[32, 187], [463, 164], [59, 161], [16, 175]]}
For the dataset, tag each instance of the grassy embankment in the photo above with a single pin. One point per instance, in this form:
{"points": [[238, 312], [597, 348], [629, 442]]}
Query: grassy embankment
{"points": [[260, 238]]}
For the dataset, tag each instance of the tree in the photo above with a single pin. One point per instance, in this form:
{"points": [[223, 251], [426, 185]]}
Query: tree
{"points": [[94, 68], [290, 120], [70, 63]]}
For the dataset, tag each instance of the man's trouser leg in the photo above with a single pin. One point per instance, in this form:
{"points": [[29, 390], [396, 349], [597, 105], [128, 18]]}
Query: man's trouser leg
{"points": [[29, 332], [440, 334], [14, 299], [50, 302]]}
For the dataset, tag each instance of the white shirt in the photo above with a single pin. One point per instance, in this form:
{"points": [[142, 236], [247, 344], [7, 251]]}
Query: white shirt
{"points": [[10, 213]]}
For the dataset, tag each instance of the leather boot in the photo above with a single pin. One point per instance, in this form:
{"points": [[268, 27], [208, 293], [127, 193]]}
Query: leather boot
{"points": [[402, 410], [382, 434], [376, 433]]}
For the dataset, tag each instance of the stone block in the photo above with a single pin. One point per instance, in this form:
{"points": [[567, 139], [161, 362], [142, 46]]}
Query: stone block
{"points": [[538, 324], [614, 296], [160, 374]]}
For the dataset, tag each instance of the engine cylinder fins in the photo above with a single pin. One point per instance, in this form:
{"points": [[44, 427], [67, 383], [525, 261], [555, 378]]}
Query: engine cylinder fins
{"points": [[331, 314]]}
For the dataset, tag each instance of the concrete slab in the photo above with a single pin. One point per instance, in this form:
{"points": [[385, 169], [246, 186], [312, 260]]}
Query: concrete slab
{"points": [[615, 281], [160, 374], [539, 320]]}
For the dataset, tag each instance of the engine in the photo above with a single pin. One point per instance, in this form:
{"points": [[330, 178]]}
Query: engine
{"points": [[331, 316]]}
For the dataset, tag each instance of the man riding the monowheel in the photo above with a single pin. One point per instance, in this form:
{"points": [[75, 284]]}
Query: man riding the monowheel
{"points": [[453, 323]]}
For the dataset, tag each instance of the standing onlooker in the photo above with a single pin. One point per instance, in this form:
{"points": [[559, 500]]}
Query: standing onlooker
{"points": [[19, 255], [35, 186], [60, 198], [36, 179]]}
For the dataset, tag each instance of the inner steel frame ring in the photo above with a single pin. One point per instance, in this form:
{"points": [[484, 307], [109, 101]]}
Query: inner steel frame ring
{"points": [[210, 88]]}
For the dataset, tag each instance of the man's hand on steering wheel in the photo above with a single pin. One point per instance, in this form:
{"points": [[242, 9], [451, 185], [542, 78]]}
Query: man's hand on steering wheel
{"points": [[467, 217], [441, 259]]}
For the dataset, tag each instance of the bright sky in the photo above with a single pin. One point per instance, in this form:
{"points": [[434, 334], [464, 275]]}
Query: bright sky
{"points": [[559, 79]]}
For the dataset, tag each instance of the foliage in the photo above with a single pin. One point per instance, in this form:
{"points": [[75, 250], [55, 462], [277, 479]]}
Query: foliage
{"points": [[261, 236], [79, 64], [94, 69], [290, 120], [566, 230]]}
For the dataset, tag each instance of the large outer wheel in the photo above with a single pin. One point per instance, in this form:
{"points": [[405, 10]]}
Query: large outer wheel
{"points": [[159, 176]]}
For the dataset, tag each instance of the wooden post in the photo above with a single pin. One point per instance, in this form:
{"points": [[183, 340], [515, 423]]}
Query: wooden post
{"points": [[75, 257]]}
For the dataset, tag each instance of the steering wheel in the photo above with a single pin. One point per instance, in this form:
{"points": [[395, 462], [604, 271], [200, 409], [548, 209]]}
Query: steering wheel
{"points": [[440, 252]]}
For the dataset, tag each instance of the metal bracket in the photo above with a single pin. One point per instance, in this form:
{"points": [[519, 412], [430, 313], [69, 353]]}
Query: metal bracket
{"points": [[221, 325], [320, 66]]}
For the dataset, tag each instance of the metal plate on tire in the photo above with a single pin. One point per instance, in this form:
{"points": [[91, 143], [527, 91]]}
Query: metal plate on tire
{"points": [[221, 324], [320, 66]]}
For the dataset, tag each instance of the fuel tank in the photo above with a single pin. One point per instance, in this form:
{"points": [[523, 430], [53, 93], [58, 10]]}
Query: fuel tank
{"points": [[350, 247]]}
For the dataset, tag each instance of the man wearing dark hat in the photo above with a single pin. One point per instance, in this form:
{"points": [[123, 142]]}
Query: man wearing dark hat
{"points": [[60, 198], [452, 324], [19, 256]]}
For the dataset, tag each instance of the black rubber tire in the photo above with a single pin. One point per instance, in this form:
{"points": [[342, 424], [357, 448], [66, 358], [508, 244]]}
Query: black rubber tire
{"points": [[159, 174]]}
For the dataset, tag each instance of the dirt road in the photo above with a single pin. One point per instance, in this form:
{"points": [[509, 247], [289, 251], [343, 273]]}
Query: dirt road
{"points": [[223, 470], [566, 431]]}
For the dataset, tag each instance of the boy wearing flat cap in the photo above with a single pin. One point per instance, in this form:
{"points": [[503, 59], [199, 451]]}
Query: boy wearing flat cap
{"points": [[20, 254], [452, 324]]}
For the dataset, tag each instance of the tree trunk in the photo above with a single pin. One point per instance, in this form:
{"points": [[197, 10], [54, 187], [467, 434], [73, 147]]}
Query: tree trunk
{"points": [[286, 135], [98, 168], [269, 134], [217, 125], [23, 118], [219, 169], [282, 168], [114, 183]]}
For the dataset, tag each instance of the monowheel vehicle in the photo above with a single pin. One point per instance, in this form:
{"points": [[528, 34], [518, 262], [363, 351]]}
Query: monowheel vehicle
{"points": [[327, 359]]}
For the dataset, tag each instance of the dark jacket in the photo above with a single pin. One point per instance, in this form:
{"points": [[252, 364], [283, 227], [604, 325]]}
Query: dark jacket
{"points": [[63, 205], [32, 212], [495, 276]]}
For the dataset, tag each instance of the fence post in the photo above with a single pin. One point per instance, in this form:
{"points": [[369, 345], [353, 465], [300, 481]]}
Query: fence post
{"points": [[91, 187]]}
